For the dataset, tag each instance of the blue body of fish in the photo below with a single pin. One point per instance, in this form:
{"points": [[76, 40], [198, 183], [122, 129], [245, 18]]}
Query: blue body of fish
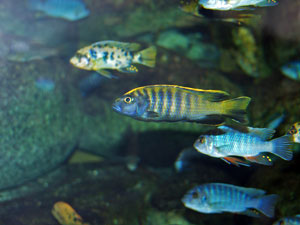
{"points": [[292, 70], [250, 145], [68, 9], [291, 220], [219, 197]]}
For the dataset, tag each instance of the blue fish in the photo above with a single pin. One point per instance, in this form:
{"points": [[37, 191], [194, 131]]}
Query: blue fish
{"points": [[90, 83], [291, 220], [185, 158], [219, 197], [45, 84], [67, 9], [276, 120], [252, 144], [235, 4], [292, 70]]}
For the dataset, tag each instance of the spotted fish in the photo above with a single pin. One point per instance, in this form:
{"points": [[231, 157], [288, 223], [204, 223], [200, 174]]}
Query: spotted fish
{"points": [[66, 215], [176, 103], [290, 220], [294, 131], [219, 197], [113, 55]]}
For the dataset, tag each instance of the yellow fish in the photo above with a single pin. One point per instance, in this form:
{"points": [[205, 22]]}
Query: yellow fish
{"points": [[66, 215], [113, 55], [176, 103], [295, 132]]}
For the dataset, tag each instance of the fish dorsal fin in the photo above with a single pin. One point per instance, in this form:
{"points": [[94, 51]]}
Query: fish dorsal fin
{"points": [[253, 191], [124, 45], [209, 95], [263, 133], [226, 129]]}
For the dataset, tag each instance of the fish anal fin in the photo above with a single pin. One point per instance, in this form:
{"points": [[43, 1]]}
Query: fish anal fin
{"points": [[260, 159], [235, 161], [252, 213], [129, 69]]}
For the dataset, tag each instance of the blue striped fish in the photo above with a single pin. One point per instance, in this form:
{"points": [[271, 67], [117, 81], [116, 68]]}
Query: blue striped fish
{"points": [[219, 197], [175, 103], [291, 220], [252, 145]]}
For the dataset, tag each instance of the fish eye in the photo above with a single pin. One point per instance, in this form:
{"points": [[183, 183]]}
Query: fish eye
{"points": [[201, 140], [128, 100], [293, 130]]}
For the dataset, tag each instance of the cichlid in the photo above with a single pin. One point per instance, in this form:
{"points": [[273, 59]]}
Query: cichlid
{"points": [[295, 220], [219, 197], [67, 9], [292, 70], [66, 215], [295, 132], [113, 55], [235, 4], [185, 158], [175, 103], [192, 7], [251, 145]]}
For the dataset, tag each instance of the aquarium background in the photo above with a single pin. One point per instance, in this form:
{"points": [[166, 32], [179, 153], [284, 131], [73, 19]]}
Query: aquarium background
{"points": [[61, 140]]}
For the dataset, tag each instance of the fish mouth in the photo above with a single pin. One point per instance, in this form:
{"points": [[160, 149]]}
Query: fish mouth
{"points": [[116, 107]]}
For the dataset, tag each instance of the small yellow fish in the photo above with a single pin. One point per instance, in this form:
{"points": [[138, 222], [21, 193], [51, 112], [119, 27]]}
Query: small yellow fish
{"points": [[175, 103], [295, 132], [113, 55], [66, 215]]}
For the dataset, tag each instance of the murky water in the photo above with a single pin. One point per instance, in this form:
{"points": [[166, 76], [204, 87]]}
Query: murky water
{"points": [[62, 141]]}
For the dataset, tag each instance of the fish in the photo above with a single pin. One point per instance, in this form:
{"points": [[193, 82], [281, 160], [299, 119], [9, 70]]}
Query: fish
{"points": [[276, 120], [192, 7], [113, 55], [292, 70], [185, 158], [66, 215], [71, 10], [90, 83], [235, 4], [291, 220], [45, 84], [173, 103], [294, 131], [251, 145], [220, 197]]}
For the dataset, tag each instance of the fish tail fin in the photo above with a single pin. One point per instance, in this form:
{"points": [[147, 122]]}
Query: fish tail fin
{"points": [[282, 147], [266, 205], [236, 108], [147, 56], [267, 3]]}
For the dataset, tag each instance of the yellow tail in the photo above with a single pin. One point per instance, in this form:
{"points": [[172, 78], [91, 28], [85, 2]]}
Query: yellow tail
{"points": [[147, 56], [236, 108]]}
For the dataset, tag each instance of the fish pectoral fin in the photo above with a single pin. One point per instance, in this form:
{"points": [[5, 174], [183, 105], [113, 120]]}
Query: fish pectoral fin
{"points": [[106, 73], [152, 114], [260, 159], [129, 69], [235, 161]]}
